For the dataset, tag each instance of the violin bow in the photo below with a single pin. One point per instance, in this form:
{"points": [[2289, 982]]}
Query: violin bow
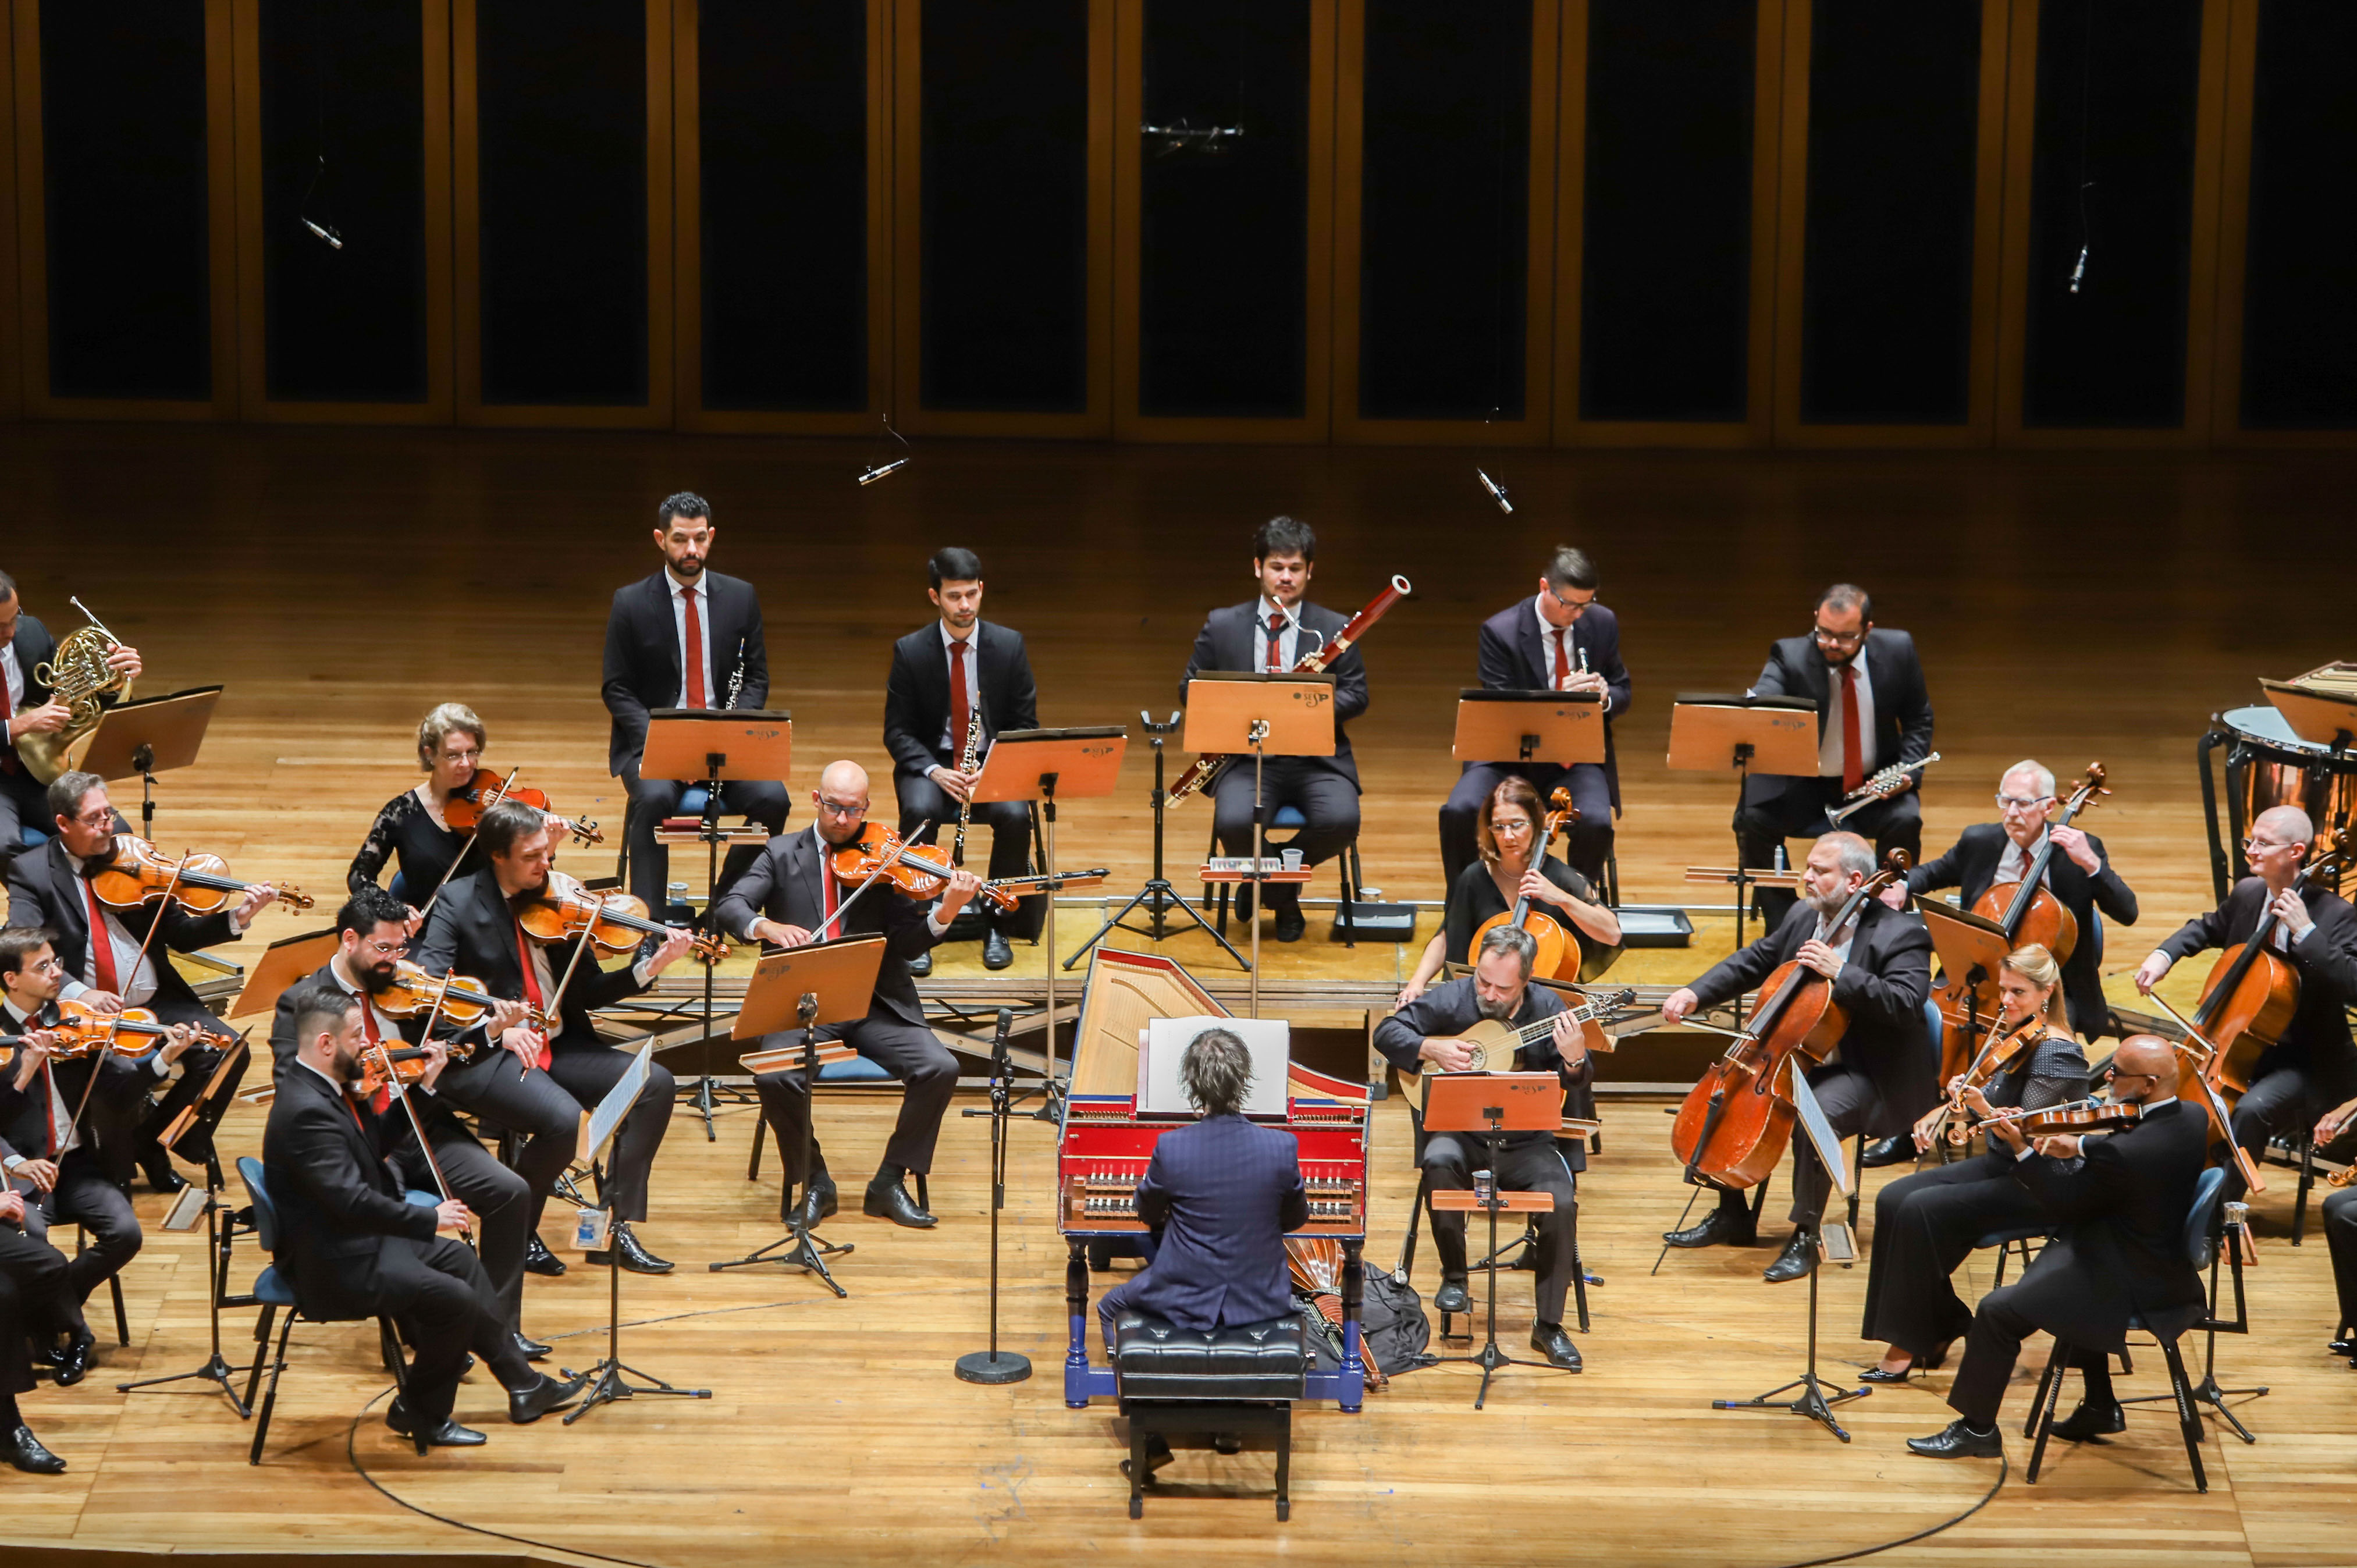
{"points": [[873, 877], [498, 795], [2216, 1102]]}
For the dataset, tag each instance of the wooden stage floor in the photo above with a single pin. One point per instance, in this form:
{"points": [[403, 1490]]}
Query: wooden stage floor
{"points": [[339, 583]]}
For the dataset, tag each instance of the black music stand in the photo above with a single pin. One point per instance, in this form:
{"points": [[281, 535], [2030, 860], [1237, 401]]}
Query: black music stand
{"points": [[1717, 734], [709, 746], [1158, 894], [147, 736], [817, 984]]}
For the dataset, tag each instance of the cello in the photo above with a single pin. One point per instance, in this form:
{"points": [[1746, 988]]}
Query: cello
{"points": [[1558, 954], [2251, 993], [1738, 1119]]}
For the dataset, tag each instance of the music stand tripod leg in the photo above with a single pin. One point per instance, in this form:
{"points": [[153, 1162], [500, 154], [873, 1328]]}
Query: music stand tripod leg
{"points": [[1814, 1403], [610, 1378], [216, 1370], [803, 1249]]}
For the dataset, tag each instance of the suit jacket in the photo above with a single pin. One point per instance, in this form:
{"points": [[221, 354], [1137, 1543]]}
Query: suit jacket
{"points": [[1222, 1193], [108, 1120], [35, 646], [642, 655], [1882, 988], [917, 695], [337, 1201], [2317, 1038], [473, 932], [1229, 640], [1972, 867], [1902, 704], [783, 884], [2120, 1247], [1513, 659], [45, 888], [1449, 1010]]}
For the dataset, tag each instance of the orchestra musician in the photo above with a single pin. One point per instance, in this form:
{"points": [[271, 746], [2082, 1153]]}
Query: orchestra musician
{"points": [[683, 638], [1927, 1223], [789, 898], [27, 707], [410, 832], [1873, 711], [353, 1246], [67, 1142], [2340, 1230], [958, 668], [1560, 639], [1219, 1196], [2119, 1202], [32, 1295], [2312, 1064], [1507, 834], [372, 938], [1273, 633], [475, 931], [51, 887], [1424, 1035], [1880, 1076]]}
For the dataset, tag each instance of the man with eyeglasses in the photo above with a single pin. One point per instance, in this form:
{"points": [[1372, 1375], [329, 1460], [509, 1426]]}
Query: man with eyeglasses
{"points": [[790, 897], [1559, 639], [371, 939], [1873, 711], [2312, 1064]]}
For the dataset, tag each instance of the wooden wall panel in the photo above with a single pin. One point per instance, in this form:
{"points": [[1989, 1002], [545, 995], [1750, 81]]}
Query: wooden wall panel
{"points": [[12, 363]]}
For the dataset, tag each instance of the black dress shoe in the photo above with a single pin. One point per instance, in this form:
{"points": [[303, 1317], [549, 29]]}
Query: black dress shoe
{"points": [[1896, 1150], [632, 1255], [1452, 1298], [818, 1201], [1718, 1230], [1956, 1441], [889, 1200], [446, 1434], [1549, 1340], [1290, 924], [921, 965], [531, 1350], [1876, 1375], [73, 1361], [2091, 1421], [25, 1452], [539, 1260], [2343, 1347], [996, 952], [166, 1180], [529, 1404], [1797, 1261]]}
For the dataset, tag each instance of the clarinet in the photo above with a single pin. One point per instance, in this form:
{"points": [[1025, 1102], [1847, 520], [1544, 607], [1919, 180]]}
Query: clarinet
{"points": [[966, 759]]}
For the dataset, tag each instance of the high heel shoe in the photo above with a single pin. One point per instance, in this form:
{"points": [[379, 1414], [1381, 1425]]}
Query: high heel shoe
{"points": [[1931, 1360]]}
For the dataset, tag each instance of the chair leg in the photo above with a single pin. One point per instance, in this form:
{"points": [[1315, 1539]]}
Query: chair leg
{"points": [[1285, 1469], [753, 1166], [1578, 1272], [398, 1365], [1136, 1468], [2188, 1414], [260, 1351], [1349, 911], [2127, 1367], [122, 1320], [270, 1399], [2307, 1180], [2049, 1394]]}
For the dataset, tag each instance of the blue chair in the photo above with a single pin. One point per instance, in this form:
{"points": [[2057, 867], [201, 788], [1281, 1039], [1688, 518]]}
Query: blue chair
{"points": [[275, 1291], [400, 886]]}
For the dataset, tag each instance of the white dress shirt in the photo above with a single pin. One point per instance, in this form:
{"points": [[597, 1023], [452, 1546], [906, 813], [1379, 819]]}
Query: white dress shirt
{"points": [[13, 673], [713, 695], [2014, 864], [1841, 949], [1829, 744], [1550, 635]]}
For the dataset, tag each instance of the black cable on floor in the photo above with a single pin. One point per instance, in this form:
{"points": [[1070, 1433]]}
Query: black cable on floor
{"points": [[2004, 1468]]}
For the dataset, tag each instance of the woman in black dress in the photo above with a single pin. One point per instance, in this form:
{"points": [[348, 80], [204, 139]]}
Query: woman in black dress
{"points": [[1507, 831], [410, 829]]}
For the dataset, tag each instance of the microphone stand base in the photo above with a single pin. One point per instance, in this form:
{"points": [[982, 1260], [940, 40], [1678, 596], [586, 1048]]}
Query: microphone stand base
{"points": [[993, 1366]]}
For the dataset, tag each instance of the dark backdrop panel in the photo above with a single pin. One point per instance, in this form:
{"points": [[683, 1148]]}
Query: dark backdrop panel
{"points": [[1443, 247], [561, 104], [1004, 96], [2111, 178], [2300, 288], [343, 144], [1665, 269], [1223, 310], [1894, 114], [122, 140], [784, 203]]}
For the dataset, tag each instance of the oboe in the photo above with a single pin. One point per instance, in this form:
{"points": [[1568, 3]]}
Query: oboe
{"points": [[736, 677], [966, 760]]}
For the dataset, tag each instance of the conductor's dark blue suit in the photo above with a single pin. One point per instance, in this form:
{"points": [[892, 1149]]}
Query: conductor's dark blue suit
{"points": [[1221, 1195]]}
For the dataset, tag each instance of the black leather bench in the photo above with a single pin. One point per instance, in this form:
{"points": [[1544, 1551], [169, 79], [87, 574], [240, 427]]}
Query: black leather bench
{"points": [[1185, 1386]]}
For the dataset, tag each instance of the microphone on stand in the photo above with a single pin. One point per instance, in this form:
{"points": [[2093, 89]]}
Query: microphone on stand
{"points": [[994, 1365]]}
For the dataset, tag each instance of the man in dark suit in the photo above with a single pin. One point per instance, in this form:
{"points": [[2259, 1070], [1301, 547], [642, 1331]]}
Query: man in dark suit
{"points": [[2312, 1064], [1423, 1037], [353, 1246], [790, 897], [955, 673], [1873, 711], [51, 886], [1275, 632], [371, 935], [1559, 640], [681, 639], [32, 1291], [474, 930], [27, 707], [2119, 1202], [1878, 1078]]}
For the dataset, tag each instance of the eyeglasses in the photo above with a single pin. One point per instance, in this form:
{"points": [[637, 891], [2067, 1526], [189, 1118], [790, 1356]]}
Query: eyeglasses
{"points": [[1837, 638], [102, 818], [842, 808], [1576, 607], [385, 949], [2256, 846], [51, 965], [1510, 825], [2016, 803]]}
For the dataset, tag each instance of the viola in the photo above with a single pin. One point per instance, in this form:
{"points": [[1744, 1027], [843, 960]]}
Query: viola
{"points": [[2073, 1116], [921, 873], [406, 1063], [1739, 1118], [462, 999], [139, 874], [1558, 953], [2006, 1047], [2251, 992], [613, 922], [486, 788]]}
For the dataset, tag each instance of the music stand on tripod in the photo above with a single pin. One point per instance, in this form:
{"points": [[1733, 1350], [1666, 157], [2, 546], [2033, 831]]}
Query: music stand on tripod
{"points": [[1230, 713], [709, 746], [1158, 894], [147, 736], [1972, 947], [1740, 734], [805, 989]]}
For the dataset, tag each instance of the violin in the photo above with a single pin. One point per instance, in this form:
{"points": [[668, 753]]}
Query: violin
{"points": [[2087, 1115], [83, 1030], [614, 922], [2006, 1047], [467, 805], [139, 874], [920, 873], [1558, 953], [405, 1063], [1739, 1118], [462, 998], [2252, 991]]}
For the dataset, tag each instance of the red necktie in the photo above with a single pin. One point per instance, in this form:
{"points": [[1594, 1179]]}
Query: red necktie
{"points": [[102, 942], [695, 651], [1562, 659], [383, 1097], [1853, 759], [961, 702], [1277, 645], [532, 991]]}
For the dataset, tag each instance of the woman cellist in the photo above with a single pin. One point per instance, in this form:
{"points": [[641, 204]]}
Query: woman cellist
{"points": [[1507, 832], [1926, 1224], [410, 830]]}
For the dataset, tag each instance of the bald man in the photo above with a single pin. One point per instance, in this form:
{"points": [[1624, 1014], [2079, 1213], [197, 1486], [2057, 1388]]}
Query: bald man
{"points": [[2312, 1066], [787, 897]]}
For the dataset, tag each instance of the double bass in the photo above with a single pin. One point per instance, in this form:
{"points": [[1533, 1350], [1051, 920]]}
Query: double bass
{"points": [[1559, 955], [1737, 1119]]}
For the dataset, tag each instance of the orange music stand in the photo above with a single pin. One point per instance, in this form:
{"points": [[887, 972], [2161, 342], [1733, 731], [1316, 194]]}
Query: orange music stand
{"points": [[1738, 734], [282, 963], [1559, 728]]}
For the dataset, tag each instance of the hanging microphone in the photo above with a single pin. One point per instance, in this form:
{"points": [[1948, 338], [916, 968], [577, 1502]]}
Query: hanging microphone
{"points": [[329, 235], [869, 476], [1497, 491]]}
